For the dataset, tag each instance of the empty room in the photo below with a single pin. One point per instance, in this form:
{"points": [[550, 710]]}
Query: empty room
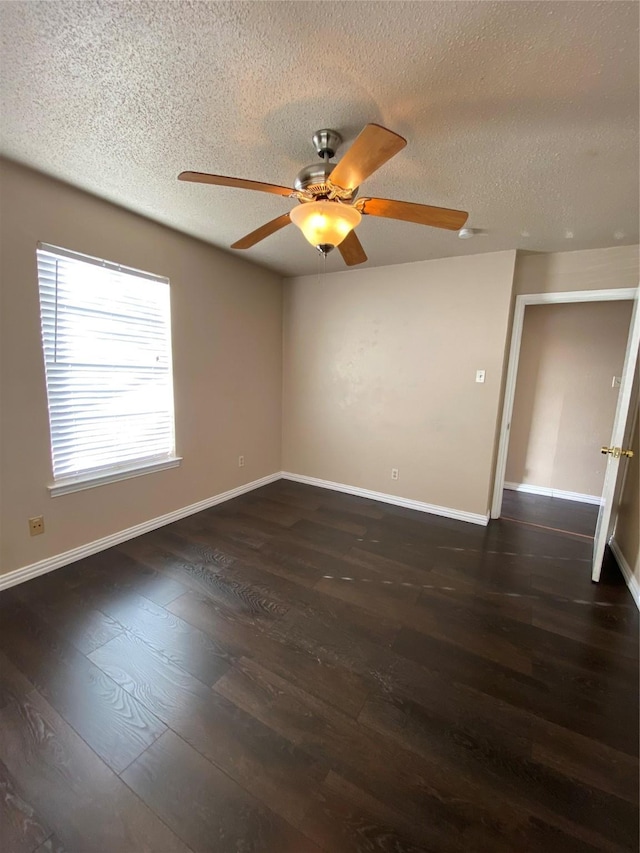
{"points": [[319, 462]]}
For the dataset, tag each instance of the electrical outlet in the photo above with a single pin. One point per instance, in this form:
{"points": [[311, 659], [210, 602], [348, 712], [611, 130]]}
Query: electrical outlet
{"points": [[36, 525], [240, 461], [394, 473]]}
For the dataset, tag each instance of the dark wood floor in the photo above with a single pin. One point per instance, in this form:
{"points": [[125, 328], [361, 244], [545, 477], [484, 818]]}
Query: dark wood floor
{"points": [[300, 670], [554, 513]]}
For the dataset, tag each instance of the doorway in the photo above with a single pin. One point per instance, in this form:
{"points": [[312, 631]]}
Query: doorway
{"points": [[560, 400], [571, 359]]}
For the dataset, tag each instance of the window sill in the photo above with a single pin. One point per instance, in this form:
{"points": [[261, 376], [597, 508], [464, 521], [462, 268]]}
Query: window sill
{"points": [[91, 481]]}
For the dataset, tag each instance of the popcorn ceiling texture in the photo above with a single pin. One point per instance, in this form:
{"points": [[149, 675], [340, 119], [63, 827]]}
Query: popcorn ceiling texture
{"points": [[523, 113]]}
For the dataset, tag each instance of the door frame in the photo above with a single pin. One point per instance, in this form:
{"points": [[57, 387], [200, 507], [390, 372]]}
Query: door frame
{"points": [[555, 298]]}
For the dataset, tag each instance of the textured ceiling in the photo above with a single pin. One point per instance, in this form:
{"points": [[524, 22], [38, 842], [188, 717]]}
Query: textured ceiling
{"points": [[523, 113]]}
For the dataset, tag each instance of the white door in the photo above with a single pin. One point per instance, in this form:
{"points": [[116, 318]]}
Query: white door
{"points": [[610, 492]]}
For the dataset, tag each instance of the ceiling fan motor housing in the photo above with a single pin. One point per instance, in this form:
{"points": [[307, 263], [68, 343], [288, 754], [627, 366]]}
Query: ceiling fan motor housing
{"points": [[313, 178]]}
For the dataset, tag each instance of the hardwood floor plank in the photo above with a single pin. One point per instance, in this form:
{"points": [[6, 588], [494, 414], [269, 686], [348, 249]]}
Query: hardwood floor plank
{"points": [[169, 636], [272, 511], [572, 681], [21, 828], [266, 764], [111, 721], [230, 524], [193, 574], [86, 627], [510, 772], [259, 580], [338, 685], [51, 845], [86, 805], [339, 541], [116, 572], [204, 807], [453, 807], [263, 577], [457, 798], [344, 819], [609, 629], [549, 838], [521, 690], [151, 677], [340, 502], [376, 595], [293, 494], [382, 671], [230, 587], [556, 513], [520, 730], [486, 633], [285, 559], [463, 627]]}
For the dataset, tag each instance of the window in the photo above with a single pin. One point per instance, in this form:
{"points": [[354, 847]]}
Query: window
{"points": [[106, 334]]}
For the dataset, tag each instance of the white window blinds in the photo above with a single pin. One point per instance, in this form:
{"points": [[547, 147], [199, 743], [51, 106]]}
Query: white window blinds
{"points": [[106, 333]]}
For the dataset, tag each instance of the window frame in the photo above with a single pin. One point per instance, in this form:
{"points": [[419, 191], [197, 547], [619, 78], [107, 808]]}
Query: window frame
{"points": [[139, 467]]}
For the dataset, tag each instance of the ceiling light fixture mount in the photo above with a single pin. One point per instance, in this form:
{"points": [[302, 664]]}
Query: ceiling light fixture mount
{"points": [[326, 142]]}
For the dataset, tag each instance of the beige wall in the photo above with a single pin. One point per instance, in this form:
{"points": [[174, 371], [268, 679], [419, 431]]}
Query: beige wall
{"points": [[227, 332], [592, 269], [379, 372], [564, 403]]}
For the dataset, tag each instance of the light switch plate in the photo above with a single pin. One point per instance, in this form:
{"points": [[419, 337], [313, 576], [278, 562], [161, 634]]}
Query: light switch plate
{"points": [[479, 375]]}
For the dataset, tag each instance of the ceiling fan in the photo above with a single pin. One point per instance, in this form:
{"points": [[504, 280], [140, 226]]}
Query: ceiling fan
{"points": [[328, 210]]}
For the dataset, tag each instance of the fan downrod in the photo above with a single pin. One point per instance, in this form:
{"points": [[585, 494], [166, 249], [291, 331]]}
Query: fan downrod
{"points": [[326, 142], [313, 178]]}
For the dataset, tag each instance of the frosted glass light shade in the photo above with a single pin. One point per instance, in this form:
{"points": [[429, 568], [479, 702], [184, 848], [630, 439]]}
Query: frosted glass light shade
{"points": [[325, 222]]}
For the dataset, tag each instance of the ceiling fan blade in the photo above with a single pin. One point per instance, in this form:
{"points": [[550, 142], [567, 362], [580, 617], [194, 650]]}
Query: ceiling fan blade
{"points": [[262, 232], [351, 250], [240, 183], [423, 214], [372, 148]]}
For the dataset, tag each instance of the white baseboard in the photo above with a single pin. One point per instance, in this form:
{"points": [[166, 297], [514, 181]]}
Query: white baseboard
{"points": [[627, 572], [50, 563], [554, 493], [58, 560], [420, 506]]}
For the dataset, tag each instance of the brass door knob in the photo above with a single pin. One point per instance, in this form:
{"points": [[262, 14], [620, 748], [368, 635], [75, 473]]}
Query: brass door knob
{"points": [[617, 452]]}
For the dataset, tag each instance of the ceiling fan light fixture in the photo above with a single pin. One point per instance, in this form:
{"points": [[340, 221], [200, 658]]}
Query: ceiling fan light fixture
{"points": [[325, 223], [327, 215]]}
